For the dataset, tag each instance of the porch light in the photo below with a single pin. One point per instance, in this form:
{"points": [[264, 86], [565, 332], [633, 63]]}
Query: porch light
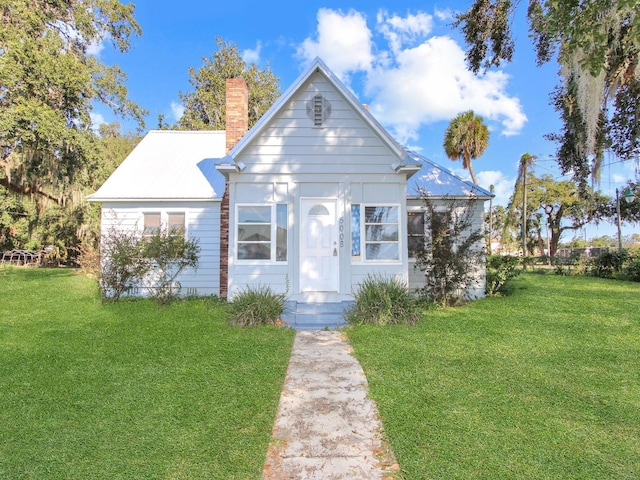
{"points": [[628, 195]]}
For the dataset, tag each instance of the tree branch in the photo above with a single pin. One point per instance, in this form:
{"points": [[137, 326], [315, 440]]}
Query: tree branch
{"points": [[28, 190]]}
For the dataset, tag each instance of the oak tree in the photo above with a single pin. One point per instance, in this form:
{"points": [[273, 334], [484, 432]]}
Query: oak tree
{"points": [[204, 107], [597, 45], [50, 81]]}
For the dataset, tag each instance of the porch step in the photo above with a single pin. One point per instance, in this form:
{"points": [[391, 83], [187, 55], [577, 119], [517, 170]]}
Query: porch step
{"points": [[314, 316]]}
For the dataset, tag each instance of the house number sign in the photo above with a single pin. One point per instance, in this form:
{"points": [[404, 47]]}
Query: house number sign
{"points": [[341, 232]]}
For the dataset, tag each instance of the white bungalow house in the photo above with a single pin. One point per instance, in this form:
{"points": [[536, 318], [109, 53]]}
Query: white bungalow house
{"points": [[318, 196]]}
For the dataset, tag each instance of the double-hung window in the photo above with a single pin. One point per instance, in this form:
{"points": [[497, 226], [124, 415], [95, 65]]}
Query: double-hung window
{"points": [[375, 230], [262, 232]]}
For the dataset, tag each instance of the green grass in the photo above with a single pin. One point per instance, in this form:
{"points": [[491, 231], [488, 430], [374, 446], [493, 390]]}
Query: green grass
{"points": [[544, 384], [133, 389]]}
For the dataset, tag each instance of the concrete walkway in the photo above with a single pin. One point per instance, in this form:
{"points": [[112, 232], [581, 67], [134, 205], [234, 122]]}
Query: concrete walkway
{"points": [[326, 426]]}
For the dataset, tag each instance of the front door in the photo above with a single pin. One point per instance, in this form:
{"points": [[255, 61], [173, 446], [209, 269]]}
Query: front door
{"points": [[318, 245]]}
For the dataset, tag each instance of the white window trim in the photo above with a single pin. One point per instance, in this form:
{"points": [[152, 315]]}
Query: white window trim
{"points": [[363, 241], [274, 233]]}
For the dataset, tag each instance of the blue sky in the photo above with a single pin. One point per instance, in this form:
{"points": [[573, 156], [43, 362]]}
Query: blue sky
{"points": [[405, 61]]}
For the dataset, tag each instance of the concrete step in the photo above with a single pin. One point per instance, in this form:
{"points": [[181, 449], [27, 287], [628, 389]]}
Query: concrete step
{"points": [[314, 316]]}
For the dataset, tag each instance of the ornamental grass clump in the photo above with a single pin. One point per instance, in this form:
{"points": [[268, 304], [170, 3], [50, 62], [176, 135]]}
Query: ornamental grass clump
{"points": [[256, 305], [383, 300]]}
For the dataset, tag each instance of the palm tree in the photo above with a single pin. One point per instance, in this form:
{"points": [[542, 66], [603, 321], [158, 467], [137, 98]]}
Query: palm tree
{"points": [[466, 138]]}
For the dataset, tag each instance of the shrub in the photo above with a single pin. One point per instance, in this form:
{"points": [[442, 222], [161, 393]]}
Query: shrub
{"points": [[632, 267], [128, 260], [122, 262], [452, 253], [170, 253], [500, 269], [606, 265], [256, 305], [383, 301]]}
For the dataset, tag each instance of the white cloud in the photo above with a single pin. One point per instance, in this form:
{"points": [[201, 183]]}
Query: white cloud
{"points": [[68, 32], [411, 80], [431, 83], [444, 15], [252, 56], [402, 31], [503, 186], [619, 178], [343, 41], [177, 110], [97, 119], [96, 47]]}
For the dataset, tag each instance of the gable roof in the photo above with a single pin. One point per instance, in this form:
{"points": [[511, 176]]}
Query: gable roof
{"points": [[438, 181], [405, 162], [187, 165], [168, 165]]}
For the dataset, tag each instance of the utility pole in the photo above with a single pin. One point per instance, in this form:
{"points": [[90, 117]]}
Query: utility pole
{"points": [[491, 189], [524, 209], [525, 160]]}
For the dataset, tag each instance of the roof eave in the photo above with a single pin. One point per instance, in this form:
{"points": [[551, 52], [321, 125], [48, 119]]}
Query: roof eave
{"points": [[151, 199], [408, 170], [450, 197], [229, 165]]}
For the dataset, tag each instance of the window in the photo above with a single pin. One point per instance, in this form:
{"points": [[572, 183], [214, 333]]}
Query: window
{"points": [[151, 223], [381, 233], [379, 227], [258, 225], [175, 221], [281, 232], [415, 233], [355, 232], [154, 221]]}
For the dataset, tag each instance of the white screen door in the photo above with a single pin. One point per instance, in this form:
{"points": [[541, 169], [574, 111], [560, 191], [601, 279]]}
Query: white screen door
{"points": [[318, 245]]}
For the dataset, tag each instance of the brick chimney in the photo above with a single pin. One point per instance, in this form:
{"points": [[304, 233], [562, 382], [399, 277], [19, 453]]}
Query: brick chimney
{"points": [[237, 111], [237, 125]]}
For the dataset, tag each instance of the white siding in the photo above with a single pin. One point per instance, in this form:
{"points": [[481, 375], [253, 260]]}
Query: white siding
{"points": [[477, 289], [290, 144], [243, 275], [202, 222], [291, 159]]}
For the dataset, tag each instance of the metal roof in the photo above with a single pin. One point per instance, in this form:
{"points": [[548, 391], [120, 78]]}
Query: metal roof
{"points": [[181, 165], [438, 181], [169, 165]]}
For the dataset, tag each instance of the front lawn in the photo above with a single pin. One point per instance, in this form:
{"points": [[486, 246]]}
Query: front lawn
{"points": [[133, 389], [544, 384]]}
